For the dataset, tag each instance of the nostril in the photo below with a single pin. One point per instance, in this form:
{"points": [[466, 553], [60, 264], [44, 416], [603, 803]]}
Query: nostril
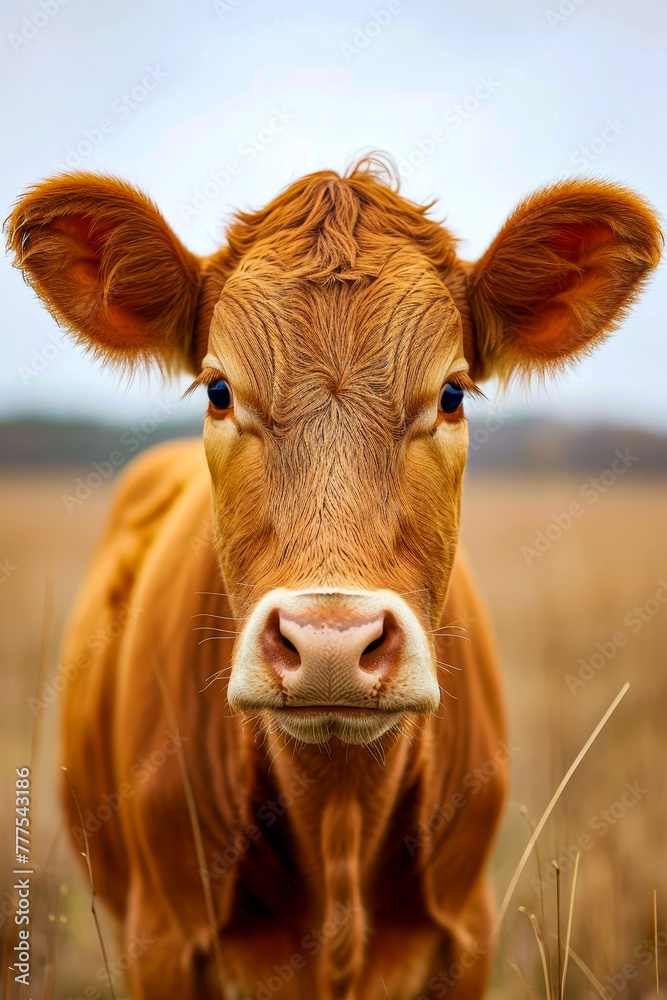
{"points": [[379, 655], [285, 641], [280, 651], [375, 644]]}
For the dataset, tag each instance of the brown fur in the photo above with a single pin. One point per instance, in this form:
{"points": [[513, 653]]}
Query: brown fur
{"points": [[410, 908], [336, 313]]}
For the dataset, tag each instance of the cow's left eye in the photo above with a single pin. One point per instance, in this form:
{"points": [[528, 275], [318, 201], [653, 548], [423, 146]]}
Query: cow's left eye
{"points": [[220, 394], [451, 398]]}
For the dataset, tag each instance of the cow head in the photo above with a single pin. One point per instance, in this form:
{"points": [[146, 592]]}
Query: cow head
{"points": [[336, 333]]}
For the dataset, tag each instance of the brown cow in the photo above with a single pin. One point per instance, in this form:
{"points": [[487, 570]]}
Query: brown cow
{"points": [[345, 836]]}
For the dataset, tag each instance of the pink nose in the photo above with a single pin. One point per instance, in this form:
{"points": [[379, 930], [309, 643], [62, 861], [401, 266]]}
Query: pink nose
{"points": [[329, 658]]}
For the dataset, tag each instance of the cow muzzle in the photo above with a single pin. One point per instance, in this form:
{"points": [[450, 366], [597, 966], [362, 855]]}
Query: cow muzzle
{"points": [[328, 663]]}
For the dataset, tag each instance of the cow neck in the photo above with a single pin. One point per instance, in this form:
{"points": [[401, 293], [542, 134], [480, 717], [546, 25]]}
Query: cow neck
{"points": [[337, 791], [340, 802]]}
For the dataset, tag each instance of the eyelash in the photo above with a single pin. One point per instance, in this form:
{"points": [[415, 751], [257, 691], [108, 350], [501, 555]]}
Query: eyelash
{"points": [[463, 381], [206, 377]]}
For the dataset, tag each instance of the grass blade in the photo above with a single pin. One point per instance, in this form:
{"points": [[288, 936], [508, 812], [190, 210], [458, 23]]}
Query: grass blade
{"points": [[540, 945], [590, 975], [655, 943], [554, 799], [569, 922], [93, 909]]}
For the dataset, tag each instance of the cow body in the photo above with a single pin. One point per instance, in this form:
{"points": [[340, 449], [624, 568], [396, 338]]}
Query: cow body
{"points": [[289, 760], [366, 870]]}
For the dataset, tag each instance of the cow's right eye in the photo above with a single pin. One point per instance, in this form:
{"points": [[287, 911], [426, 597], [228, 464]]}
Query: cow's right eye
{"points": [[220, 394]]}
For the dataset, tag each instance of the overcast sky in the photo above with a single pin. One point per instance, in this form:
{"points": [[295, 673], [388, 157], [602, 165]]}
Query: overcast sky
{"points": [[524, 91]]}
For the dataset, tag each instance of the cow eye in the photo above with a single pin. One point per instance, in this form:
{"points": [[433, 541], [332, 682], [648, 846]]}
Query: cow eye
{"points": [[220, 394], [451, 398]]}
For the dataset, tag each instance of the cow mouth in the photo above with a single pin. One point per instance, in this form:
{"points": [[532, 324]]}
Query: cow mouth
{"points": [[319, 723], [345, 709]]}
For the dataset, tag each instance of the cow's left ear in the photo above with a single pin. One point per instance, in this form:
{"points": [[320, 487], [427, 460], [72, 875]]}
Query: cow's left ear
{"points": [[107, 265], [559, 276]]}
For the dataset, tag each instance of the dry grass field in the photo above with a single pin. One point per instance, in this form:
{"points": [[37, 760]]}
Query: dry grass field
{"points": [[593, 593]]}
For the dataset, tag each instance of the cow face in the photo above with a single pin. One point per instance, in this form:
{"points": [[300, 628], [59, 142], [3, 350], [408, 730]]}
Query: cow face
{"points": [[336, 334], [336, 460]]}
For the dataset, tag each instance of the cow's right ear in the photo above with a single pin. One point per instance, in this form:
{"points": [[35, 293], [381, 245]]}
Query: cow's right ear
{"points": [[108, 266]]}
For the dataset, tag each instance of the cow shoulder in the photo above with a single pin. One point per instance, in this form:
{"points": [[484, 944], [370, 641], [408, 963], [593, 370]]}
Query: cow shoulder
{"points": [[144, 496], [153, 481]]}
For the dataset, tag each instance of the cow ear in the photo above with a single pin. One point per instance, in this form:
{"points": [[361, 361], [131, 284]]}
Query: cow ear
{"points": [[108, 266], [559, 276]]}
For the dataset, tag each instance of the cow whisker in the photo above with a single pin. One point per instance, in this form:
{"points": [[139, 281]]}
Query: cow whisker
{"points": [[210, 593], [209, 638], [214, 628], [411, 722], [209, 614], [376, 752], [213, 678], [272, 746], [445, 691], [259, 723], [396, 733], [449, 635], [448, 666], [401, 732], [247, 722], [283, 747]]}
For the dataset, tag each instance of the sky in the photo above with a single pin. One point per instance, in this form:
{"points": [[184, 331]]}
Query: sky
{"points": [[214, 105]]}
